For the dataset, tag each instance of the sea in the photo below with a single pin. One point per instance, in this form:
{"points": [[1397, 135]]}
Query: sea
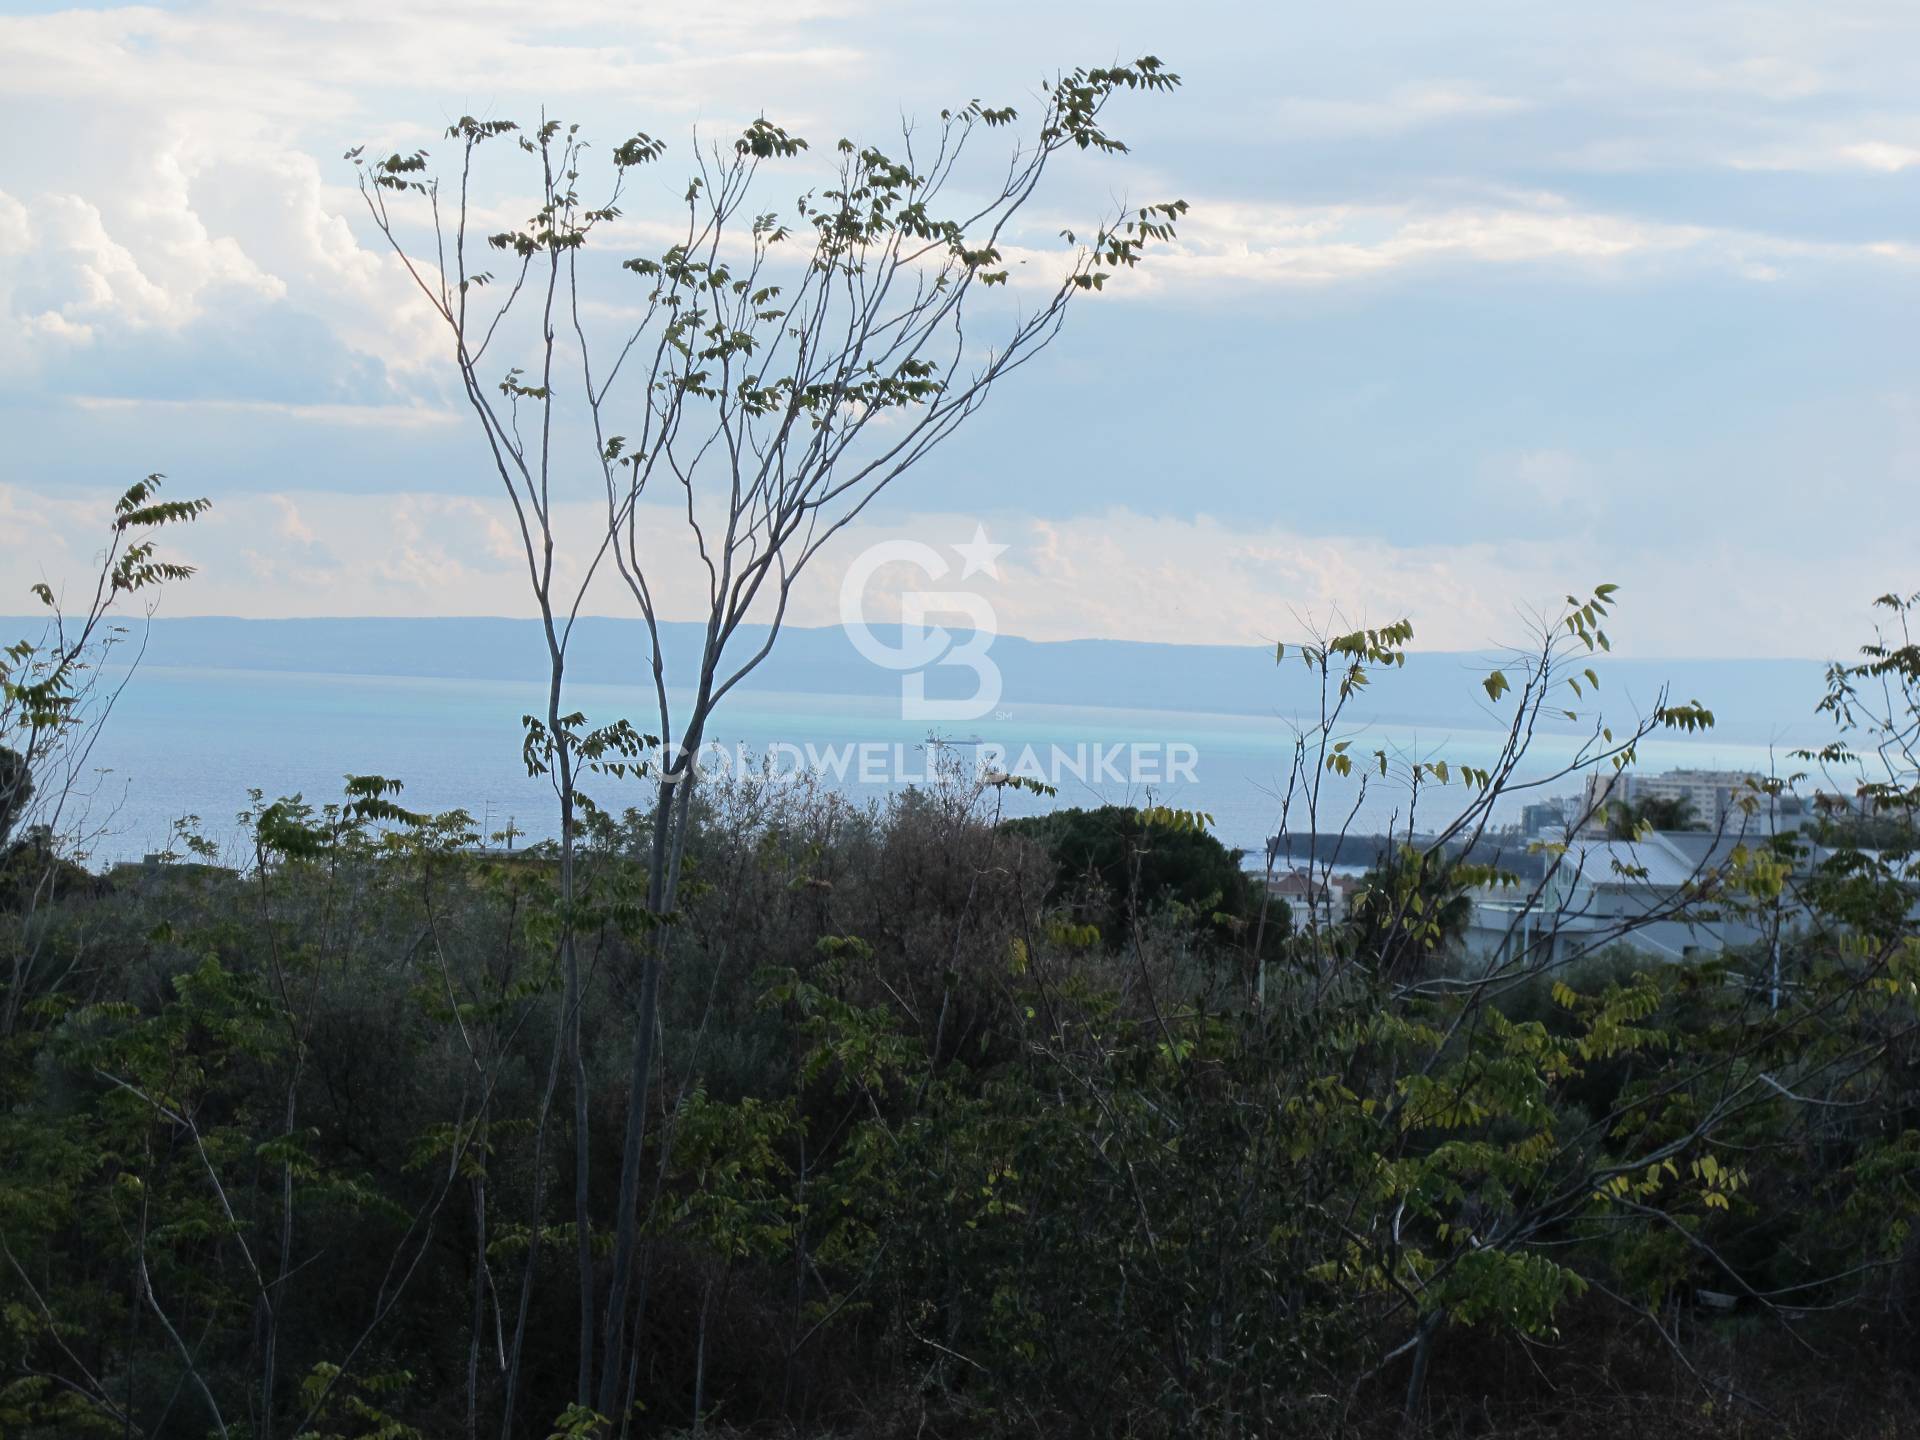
{"points": [[203, 742]]}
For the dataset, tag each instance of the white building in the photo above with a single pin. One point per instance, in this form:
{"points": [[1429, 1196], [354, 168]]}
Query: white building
{"points": [[1323, 897], [1606, 891], [1714, 797]]}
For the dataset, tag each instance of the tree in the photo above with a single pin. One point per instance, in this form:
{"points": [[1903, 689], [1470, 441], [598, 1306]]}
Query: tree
{"points": [[55, 693], [1412, 905], [932, 1160], [1134, 865], [1654, 812], [1875, 704], [16, 790], [780, 374]]}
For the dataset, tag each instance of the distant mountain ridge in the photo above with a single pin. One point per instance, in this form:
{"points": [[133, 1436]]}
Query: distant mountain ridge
{"points": [[1761, 700]]}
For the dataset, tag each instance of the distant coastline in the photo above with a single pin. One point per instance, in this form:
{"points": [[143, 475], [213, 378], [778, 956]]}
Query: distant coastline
{"points": [[1755, 701]]}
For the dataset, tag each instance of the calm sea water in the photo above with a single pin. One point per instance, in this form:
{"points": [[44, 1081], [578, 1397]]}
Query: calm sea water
{"points": [[194, 742]]}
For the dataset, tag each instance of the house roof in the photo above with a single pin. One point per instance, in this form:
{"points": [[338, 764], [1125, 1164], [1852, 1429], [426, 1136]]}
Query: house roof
{"points": [[1652, 861]]}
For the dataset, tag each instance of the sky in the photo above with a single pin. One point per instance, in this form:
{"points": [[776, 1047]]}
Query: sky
{"points": [[1475, 304]]}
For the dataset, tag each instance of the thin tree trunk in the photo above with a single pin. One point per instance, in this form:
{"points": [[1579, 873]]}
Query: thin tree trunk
{"points": [[478, 1318], [272, 1301], [1417, 1379], [582, 1199], [511, 1388], [574, 1002], [661, 885], [700, 1364], [612, 1381]]}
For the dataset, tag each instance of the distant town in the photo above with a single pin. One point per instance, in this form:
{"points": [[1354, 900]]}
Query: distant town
{"points": [[1632, 851]]}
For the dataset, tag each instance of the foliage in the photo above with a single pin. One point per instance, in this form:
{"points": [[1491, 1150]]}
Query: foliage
{"points": [[947, 1123], [922, 1150], [1651, 812], [1409, 909], [1116, 860], [16, 790], [771, 371]]}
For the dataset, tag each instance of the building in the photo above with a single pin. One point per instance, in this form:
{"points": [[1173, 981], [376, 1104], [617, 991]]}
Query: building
{"points": [[1861, 805], [1716, 800], [1323, 897], [1549, 817], [1603, 892]]}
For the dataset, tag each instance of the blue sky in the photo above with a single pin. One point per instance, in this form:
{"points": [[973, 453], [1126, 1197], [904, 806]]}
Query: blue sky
{"points": [[1476, 303]]}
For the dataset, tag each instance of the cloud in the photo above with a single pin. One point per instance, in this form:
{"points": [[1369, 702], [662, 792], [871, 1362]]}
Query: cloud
{"points": [[1410, 107], [291, 62], [378, 417], [188, 186], [197, 188], [67, 276], [1877, 155], [47, 538], [1227, 242], [1424, 207], [1327, 244], [1223, 242], [1116, 573], [157, 258]]}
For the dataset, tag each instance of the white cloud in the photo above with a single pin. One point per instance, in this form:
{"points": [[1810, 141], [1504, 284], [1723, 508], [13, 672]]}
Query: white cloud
{"points": [[1556, 486], [290, 63], [48, 539], [1117, 574], [190, 167], [1411, 107], [1295, 245], [381, 417], [67, 276], [1224, 242], [1773, 77], [1832, 155], [199, 156], [291, 526], [1880, 155], [196, 181]]}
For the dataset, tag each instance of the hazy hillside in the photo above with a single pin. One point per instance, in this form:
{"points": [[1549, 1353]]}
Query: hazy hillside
{"points": [[1755, 700]]}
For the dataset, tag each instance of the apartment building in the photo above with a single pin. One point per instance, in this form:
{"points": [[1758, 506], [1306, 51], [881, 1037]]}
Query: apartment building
{"points": [[1713, 797]]}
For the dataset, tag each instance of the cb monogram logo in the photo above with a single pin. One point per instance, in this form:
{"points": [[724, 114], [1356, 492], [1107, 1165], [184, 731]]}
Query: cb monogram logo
{"points": [[923, 647]]}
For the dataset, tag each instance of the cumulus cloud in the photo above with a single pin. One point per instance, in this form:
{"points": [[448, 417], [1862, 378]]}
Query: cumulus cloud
{"points": [[198, 175], [191, 184], [67, 275], [191, 254]]}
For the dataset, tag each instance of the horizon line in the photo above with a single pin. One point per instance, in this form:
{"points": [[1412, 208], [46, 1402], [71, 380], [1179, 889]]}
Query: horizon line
{"points": [[1244, 645]]}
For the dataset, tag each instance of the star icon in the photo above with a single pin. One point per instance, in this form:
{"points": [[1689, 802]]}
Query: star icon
{"points": [[979, 554]]}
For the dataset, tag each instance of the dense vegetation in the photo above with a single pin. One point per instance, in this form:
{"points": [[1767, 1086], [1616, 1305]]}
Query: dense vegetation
{"points": [[956, 1127], [735, 1107]]}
